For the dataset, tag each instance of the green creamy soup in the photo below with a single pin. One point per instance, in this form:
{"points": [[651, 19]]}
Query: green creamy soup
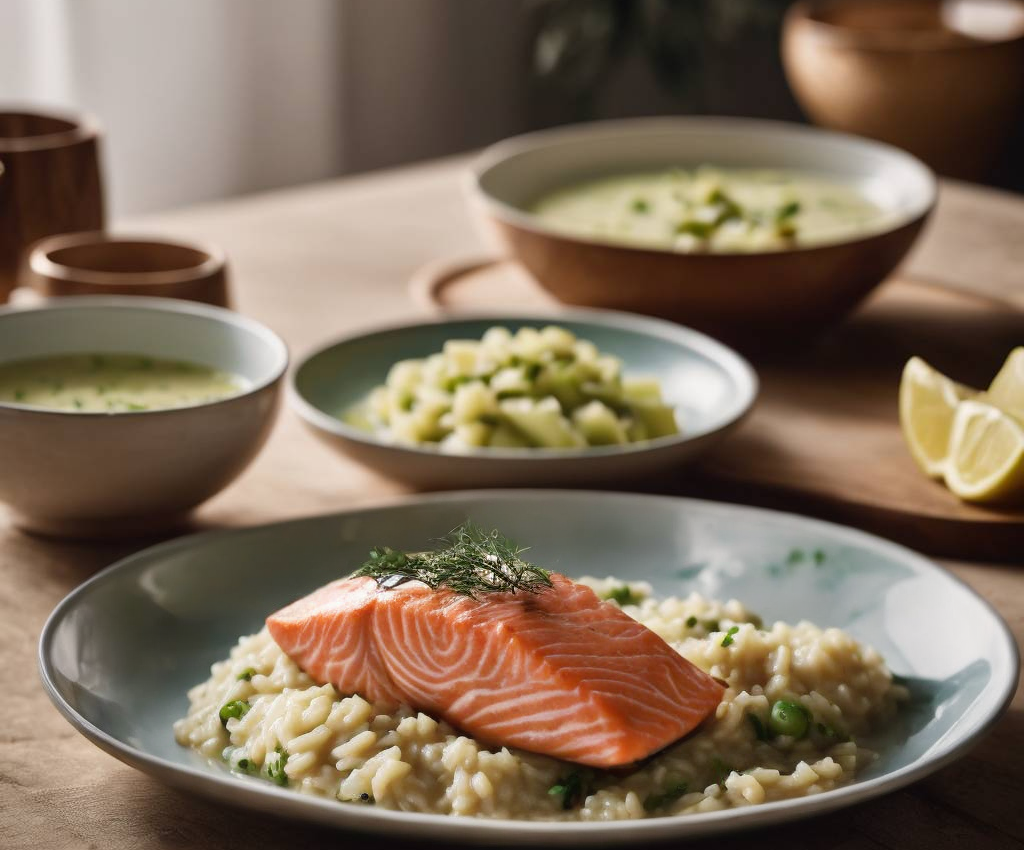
{"points": [[112, 383], [710, 209]]}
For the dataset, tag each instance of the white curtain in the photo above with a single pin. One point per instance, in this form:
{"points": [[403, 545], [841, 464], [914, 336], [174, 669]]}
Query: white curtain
{"points": [[202, 99]]}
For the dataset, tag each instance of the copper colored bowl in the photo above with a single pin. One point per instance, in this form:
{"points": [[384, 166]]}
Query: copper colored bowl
{"points": [[943, 79], [102, 264], [747, 298]]}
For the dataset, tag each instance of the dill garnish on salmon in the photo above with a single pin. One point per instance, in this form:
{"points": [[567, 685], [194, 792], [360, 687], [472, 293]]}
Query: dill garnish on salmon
{"points": [[504, 650]]}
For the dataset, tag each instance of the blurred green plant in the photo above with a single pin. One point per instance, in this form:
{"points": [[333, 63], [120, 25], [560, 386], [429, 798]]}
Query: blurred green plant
{"points": [[578, 44]]}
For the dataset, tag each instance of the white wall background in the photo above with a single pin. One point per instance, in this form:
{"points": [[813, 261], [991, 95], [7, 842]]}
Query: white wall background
{"points": [[203, 99]]}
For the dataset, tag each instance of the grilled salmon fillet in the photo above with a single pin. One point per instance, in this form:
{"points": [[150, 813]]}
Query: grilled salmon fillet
{"points": [[557, 672]]}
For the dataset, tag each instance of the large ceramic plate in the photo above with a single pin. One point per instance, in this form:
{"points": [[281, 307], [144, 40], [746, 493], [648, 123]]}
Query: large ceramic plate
{"points": [[118, 655]]}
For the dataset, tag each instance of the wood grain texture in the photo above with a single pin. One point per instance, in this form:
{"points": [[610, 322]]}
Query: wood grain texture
{"points": [[50, 183], [824, 436], [315, 263], [974, 241]]}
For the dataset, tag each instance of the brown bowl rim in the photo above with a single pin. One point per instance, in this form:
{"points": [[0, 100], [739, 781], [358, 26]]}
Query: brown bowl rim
{"points": [[887, 41], [40, 263], [783, 255], [85, 127]]}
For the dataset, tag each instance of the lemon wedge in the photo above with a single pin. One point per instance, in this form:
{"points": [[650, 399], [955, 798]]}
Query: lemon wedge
{"points": [[928, 401], [1007, 388], [986, 454]]}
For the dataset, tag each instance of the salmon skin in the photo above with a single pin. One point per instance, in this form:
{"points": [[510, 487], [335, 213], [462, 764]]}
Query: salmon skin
{"points": [[557, 672]]}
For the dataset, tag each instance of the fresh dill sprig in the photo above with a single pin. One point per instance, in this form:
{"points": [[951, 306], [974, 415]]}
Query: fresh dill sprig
{"points": [[471, 561]]}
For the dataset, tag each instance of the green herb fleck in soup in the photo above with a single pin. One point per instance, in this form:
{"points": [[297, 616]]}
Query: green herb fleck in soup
{"points": [[714, 210], [112, 383]]}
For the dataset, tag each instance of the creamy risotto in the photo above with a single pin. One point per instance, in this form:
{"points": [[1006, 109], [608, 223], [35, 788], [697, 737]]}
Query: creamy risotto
{"points": [[798, 699]]}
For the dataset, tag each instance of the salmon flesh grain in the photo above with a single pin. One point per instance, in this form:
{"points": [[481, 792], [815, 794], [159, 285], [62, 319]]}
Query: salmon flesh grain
{"points": [[557, 672]]}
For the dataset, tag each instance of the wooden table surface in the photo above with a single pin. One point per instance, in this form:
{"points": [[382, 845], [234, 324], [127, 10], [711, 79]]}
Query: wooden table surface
{"points": [[313, 263]]}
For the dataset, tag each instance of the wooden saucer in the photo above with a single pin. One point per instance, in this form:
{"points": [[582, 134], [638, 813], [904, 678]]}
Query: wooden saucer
{"points": [[824, 437]]}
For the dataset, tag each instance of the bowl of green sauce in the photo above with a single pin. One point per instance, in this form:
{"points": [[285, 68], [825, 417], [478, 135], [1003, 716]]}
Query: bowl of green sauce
{"points": [[754, 231], [119, 415]]}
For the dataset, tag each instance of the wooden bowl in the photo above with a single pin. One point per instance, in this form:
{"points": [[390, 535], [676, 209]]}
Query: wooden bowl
{"points": [[74, 474], [928, 76], [752, 299], [101, 264], [50, 182]]}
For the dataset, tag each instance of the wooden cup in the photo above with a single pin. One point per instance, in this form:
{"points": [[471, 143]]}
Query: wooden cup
{"points": [[50, 183], [105, 264]]}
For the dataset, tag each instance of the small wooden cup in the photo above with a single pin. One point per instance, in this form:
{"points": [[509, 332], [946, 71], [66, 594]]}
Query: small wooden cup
{"points": [[105, 264], [50, 182]]}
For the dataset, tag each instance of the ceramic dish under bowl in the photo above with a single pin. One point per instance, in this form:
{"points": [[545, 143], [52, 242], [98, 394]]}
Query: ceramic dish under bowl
{"points": [[747, 298], [119, 654], [711, 387], [108, 474]]}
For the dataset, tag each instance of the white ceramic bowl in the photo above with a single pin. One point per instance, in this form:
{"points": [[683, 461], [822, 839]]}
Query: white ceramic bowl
{"points": [[711, 387], [104, 474], [734, 295]]}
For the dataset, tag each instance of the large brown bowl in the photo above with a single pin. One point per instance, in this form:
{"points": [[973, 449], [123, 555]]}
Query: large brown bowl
{"points": [[749, 298], [942, 80]]}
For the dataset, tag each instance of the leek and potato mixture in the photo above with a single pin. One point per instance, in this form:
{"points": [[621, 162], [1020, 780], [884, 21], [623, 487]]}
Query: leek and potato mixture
{"points": [[713, 210], [532, 389]]}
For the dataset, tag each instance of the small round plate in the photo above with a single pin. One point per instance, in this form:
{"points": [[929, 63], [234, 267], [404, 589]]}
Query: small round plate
{"points": [[709, 384], [118, 655]]}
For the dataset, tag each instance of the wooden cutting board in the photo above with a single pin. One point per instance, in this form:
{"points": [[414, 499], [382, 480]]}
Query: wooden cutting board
{"points": [[824, 437]]}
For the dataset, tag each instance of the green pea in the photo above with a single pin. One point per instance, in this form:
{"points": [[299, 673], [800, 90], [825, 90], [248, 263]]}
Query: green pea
{"points": [[235, 708], [789, 718], [624, 595]]}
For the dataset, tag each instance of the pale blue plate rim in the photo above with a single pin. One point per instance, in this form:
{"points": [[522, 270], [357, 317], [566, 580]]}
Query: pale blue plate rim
{"points": [[509, 831]]}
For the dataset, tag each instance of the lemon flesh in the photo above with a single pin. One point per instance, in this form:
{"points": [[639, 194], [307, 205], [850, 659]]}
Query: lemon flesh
{"points": [[928, 402], [1007, 388], [986, 456]]}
